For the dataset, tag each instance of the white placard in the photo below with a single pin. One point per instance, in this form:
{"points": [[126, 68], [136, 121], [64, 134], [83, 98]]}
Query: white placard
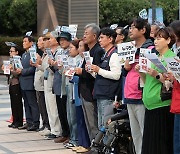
{"points": [[6, 67], [65, 61], [155, 60], [59, 60], [88, 59], [79, 61], [174, 65], [33, 56], [144, 63], [143, 14], [17, 62], [49, 53], [73, 30], [127, 51]]}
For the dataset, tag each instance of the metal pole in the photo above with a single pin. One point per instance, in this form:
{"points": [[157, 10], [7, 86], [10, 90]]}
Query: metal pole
{"points": [[179, 9], [154, 11]]}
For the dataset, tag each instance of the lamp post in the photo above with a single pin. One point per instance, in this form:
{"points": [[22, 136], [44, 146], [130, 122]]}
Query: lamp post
{"points": [[179, 9], [154, 11]]}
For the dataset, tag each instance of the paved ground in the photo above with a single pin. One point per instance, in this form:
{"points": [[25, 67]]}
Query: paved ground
{"points": [[14, 141]]}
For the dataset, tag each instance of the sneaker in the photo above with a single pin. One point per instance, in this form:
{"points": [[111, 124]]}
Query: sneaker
{"points": [[45, 132], [50, 136], [42, 128], [82, 150], [69, 145]]}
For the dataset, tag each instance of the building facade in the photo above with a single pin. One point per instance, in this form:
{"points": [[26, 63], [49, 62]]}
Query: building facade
{"points": [[51, 13]]}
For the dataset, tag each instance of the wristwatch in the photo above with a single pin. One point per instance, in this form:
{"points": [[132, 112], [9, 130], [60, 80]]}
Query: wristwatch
{"points": [[158, 77]]}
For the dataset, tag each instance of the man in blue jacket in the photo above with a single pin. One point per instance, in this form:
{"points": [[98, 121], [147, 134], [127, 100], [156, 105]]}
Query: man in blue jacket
{"points": [[27, 85]]}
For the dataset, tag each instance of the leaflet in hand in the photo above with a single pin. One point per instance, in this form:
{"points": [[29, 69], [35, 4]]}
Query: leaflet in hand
{"points": [[127, 51], [65, 61], [144, 63], [49, 53], [17, 62], [88, 59], [33, 56], [173, 64], [79, 61], [155, 60], [6, 67]]}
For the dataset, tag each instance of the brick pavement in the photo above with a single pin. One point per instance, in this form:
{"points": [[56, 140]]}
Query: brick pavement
{"points": [[14, 141]]}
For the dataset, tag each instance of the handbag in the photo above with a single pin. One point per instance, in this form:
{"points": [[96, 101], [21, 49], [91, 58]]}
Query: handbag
{"points": [[166, 94]]}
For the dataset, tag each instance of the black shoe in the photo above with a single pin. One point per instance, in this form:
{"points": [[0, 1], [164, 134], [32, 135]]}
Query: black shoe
{"points": [[11, 125], [50, 136], [42, 128], [33, 128], [25, 126]]}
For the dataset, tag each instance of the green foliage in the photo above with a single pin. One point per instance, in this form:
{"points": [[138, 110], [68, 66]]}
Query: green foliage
{"points": [[4, 49], [20, 16], [170, 9], [122, 11]]}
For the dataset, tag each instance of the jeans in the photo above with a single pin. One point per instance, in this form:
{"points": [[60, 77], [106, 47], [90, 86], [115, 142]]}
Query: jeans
{"points": [[71, 114], [101, 104]]}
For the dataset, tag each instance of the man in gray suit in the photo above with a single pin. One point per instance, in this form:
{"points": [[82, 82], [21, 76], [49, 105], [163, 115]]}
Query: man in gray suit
{"points": [[27, 85]]}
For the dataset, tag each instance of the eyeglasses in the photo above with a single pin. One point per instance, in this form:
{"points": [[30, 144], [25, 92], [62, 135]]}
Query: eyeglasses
{"points": [[46, 39], [132, 27], [10, 51], [119, 34]]}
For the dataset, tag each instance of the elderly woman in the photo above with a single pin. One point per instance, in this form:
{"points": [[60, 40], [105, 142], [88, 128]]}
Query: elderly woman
{"points": [[158, 125]]}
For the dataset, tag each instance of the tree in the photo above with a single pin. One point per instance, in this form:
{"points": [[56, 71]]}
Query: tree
{"points": [[21, 16], [122, 11]]}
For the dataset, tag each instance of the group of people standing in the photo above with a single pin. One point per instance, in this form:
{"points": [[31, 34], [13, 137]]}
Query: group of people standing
{"points": [[72, 108]]}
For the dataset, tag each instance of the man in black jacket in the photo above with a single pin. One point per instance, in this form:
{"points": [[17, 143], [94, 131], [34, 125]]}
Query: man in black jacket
{"points": [[86, 83]]}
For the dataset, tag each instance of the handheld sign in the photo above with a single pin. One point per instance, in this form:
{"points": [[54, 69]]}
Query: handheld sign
{"points": [[17, 62], [65, 62], [29, 33], [49, 53], [73, 31], [114, 26], [45, 31], [174, 65], [143, 14], [144, 63], [33, 56], [88, 59], [126, 51], [155, 60], [6, 67]]}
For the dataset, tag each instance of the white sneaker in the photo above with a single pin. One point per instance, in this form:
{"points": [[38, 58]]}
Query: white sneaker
{"points": [[44, 132]]}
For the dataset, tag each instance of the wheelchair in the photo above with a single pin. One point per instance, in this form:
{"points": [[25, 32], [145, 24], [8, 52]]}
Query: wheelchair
{"points": [[117, 142]]}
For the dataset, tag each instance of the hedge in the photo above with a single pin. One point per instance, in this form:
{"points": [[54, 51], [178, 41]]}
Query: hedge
{"points": [[4, 49]]}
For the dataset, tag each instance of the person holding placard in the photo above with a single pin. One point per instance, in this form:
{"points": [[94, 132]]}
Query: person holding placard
{"points": [[139, 31], [39, 85], [59, 85], [52, 89], [15, 90], [175, 104], [27, 85], [158, 120], [91, 34], [107, 73]]}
